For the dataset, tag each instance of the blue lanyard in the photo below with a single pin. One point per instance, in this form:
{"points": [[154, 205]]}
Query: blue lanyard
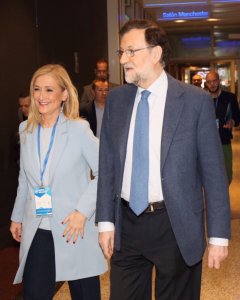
{"points": [[42, 170]]}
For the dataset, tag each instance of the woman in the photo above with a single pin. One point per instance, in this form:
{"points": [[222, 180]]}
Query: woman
{"points": [[53, 215]]}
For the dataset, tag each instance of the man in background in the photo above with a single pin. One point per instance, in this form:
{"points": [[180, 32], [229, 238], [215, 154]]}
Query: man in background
{"points": [[24, 102], [227, 116], [197, 80], [93, 111], [101, 72]]}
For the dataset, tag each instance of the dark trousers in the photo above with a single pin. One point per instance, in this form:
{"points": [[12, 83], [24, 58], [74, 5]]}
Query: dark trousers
{"points": [[39, 274], [148, 241]]}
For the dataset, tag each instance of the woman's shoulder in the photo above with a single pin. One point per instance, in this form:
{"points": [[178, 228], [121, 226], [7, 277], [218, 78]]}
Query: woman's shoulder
{"points": [[80, 126], [79, 123]]}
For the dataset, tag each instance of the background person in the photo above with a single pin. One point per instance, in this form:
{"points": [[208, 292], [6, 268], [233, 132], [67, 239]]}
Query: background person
{"points": [[53, 215], [101, 72], [93, 111], [227, 116], [197, 80], [152, 168], [24, 102]]}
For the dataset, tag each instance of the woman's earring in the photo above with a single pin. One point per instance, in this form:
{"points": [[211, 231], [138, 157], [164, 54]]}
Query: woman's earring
{"points": [[62, 107]]}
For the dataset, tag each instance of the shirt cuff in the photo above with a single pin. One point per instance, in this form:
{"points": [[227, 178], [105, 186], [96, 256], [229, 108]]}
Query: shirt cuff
{"points": [[218, 241], [105, 226]]}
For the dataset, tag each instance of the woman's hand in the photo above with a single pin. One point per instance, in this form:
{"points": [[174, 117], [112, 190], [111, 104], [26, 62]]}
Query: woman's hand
{"points": [[16, 230], [75, 222]]}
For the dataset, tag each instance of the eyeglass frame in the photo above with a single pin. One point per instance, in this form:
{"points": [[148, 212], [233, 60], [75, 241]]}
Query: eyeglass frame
{"points": [[131, 52]]}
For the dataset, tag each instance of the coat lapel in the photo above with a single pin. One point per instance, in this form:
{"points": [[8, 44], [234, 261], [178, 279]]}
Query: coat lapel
{"points": [[127, 103], [173, 108], [33, 155], [60, 142]]}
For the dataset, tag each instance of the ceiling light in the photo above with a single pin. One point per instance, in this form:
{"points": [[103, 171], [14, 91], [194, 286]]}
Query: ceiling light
{"points": [[212, 20], [180, 21]]}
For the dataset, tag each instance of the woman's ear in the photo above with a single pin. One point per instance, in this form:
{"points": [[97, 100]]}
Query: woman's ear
{"points": [[65, 95]]}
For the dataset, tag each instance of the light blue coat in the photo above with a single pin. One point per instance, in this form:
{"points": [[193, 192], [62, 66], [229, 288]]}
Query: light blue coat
{"points": [[75, 151]]}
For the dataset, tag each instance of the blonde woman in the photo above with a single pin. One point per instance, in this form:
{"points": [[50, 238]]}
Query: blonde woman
{"points": [[53, 215]]}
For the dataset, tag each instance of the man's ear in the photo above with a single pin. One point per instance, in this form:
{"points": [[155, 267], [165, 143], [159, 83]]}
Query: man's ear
{"points": [[157, 54]]}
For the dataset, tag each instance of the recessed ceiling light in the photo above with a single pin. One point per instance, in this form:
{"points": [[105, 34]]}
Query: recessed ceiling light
{"points": [[180, 21], [212, 20]]}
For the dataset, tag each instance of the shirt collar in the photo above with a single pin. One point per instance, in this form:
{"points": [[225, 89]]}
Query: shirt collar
{"points": [[161, 81]]}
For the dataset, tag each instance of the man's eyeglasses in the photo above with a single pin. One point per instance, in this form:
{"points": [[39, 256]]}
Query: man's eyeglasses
{"points": [[131, 52]]}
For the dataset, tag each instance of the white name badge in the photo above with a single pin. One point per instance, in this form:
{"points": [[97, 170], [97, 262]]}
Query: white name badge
{"points": [[43, 200]]}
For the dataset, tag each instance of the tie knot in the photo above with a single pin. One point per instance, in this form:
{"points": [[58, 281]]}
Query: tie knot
{"points": [[145, 94]]}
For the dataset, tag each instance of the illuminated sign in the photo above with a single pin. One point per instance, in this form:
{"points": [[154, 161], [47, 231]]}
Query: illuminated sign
{"points": [[183, 15]]}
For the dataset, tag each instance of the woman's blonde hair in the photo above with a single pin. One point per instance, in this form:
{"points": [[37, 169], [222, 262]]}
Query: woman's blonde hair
{"points": [[71, 107]]}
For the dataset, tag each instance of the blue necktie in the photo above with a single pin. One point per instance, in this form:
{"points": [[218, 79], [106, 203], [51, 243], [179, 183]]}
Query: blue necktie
{"points": [[138, 201]]}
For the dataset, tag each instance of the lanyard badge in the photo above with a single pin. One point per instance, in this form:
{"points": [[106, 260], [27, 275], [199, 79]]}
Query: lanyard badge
{"points": [[43, 200], [43, 195]]}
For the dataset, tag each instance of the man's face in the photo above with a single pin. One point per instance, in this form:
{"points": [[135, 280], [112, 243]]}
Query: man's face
{"points": [[101, 71], [212, 82], [24, 104], [197, 80], [101, 91], [138, 68]]}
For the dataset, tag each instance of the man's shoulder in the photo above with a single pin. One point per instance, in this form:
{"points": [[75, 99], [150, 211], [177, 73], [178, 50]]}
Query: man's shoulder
{"points": [[86, 108], [227, 94]]}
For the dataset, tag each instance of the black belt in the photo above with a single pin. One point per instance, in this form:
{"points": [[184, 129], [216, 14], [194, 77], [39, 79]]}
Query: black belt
{"points": [[151, 207]]}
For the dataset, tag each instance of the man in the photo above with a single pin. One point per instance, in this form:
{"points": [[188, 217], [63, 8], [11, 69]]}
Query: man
{"points": [[227, 116], [154, 216], [93, 111], [101, 73], [24, 102], [197, 80]]}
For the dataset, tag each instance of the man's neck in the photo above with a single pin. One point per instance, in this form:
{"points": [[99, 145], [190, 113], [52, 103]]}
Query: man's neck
{"points": [[216, 94], [99, 104]]}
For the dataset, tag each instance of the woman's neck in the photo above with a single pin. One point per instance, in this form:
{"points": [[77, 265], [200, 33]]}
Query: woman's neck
{"points": [[49, 121]]}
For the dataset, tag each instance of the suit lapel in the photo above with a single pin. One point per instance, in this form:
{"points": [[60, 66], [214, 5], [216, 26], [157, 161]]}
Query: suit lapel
{"points": [[173, 108], [127, 103]]}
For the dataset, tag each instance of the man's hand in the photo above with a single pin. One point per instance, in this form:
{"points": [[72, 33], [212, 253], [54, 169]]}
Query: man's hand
{"points": [[229, 124], [106, 241], [216, 254], [16, 230]]}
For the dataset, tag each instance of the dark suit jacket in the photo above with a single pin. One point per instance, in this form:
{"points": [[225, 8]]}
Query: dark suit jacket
{"points": [[191, 157], [88, 95], [226, 107], [88, 112]]}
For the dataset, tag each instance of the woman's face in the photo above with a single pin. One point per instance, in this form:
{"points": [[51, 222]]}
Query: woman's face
{"points": [[48, 96]]}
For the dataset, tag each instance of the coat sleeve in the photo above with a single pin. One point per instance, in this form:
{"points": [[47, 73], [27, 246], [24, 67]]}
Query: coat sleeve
{"points": [[213, 172], [105, 194], [87, 201], [22, 190]]}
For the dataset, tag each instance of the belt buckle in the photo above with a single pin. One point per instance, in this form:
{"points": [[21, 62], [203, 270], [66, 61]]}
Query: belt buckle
{"points": [[151, 207]]}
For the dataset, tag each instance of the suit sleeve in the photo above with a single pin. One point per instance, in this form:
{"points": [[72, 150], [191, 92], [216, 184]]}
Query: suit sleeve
{"points": [[235, 111], [105, 193], [213, 172]]}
